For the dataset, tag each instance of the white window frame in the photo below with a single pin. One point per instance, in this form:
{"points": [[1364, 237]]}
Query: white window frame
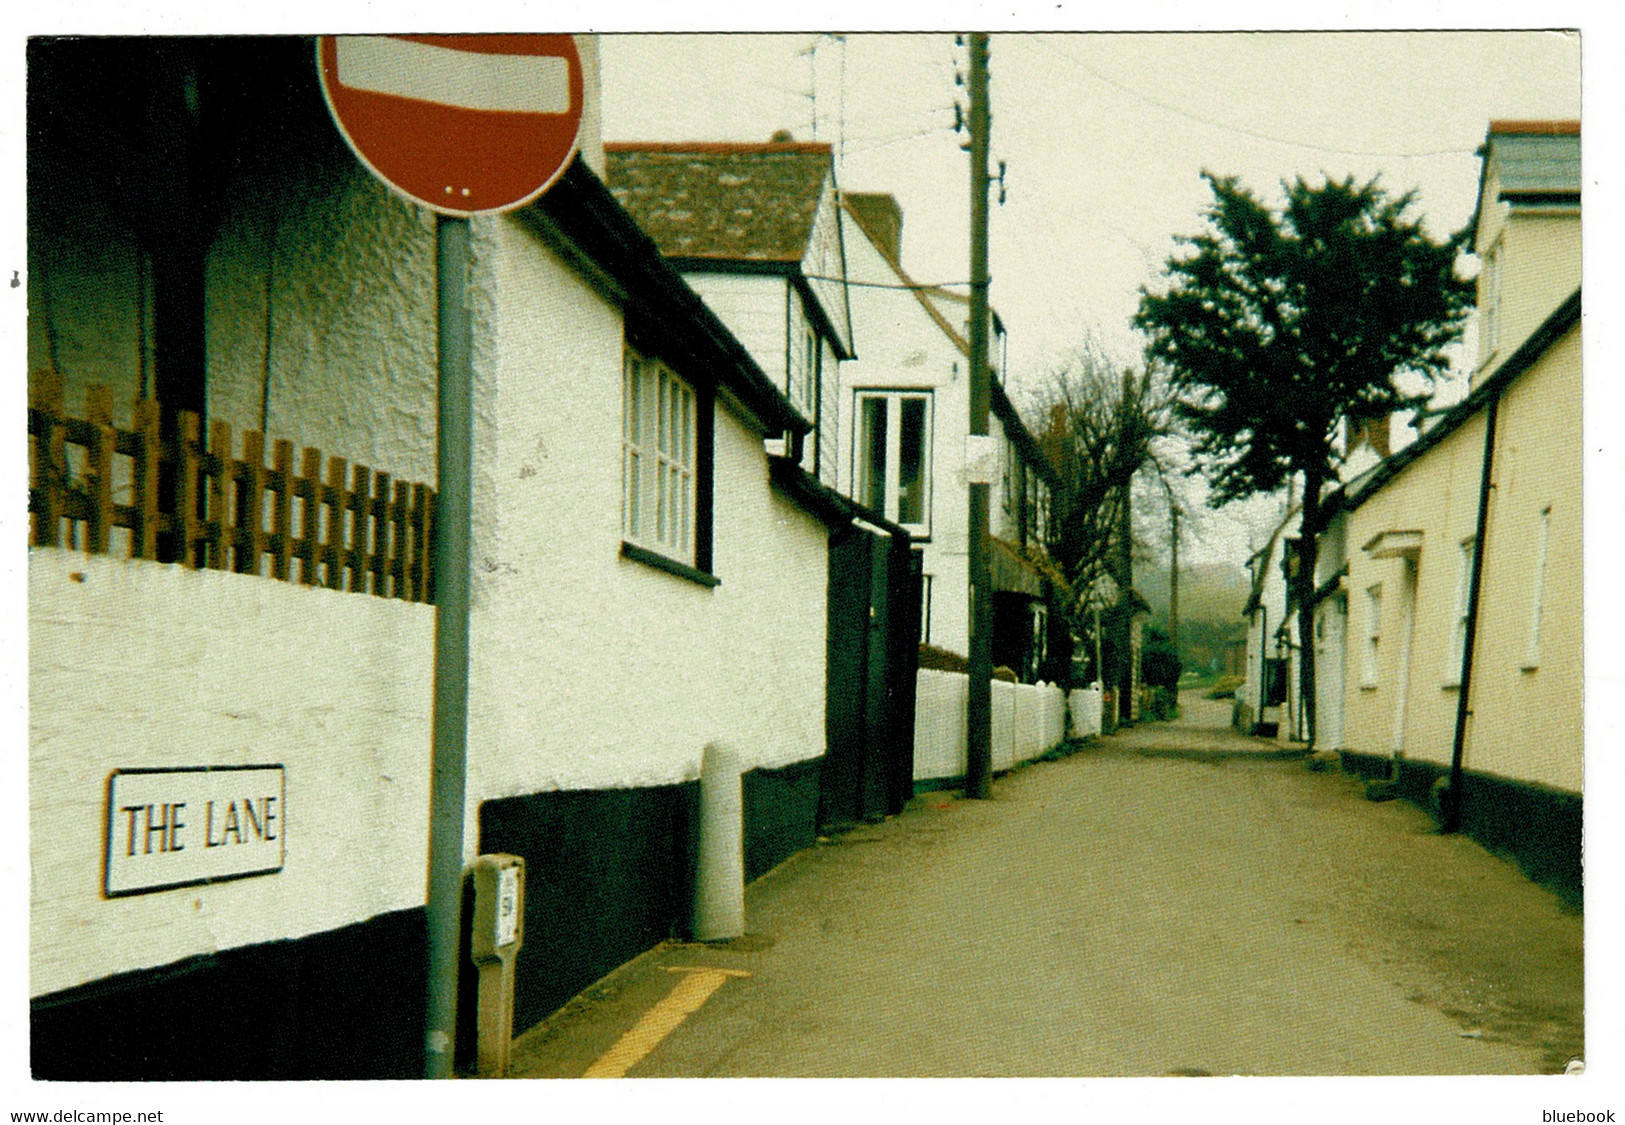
{"points": [[1458, 643], [1543, 532], [894, 436], [807, 393], [1489, 309], [1370, 665], [659, 459]]}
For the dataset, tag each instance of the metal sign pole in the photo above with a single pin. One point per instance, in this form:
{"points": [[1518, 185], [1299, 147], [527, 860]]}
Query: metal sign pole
{"points": [[452, 533]]}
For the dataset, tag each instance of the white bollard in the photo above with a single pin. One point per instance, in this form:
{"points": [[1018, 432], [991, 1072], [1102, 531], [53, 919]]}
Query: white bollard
{"points": [[719, 885]]}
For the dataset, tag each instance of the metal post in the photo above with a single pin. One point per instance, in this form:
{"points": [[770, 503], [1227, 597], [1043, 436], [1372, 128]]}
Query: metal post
{"points": [[979, 704], [454, 484]]}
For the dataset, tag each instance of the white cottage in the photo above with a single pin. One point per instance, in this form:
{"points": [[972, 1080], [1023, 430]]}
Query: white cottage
{"points": [[230, 616], [905, 401]]}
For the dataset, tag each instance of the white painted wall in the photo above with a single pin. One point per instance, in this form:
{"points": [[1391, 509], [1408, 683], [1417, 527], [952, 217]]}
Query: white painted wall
{"points": [[592, 671], [587, 670], [752, 306], [900, 347], [824, 260], [148, 665]]}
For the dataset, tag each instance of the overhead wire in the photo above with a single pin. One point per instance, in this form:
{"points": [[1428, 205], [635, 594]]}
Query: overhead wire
{"points": [[1228, 127]]}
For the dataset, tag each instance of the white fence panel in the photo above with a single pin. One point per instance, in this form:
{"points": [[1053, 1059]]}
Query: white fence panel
{"points": [[1003, 735], [1027, 720], [1086, 711], [1029, 717], [939, 724], [1053, 723]]}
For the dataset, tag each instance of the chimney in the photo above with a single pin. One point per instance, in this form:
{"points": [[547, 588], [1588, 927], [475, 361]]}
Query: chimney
{"points": [[1376, 435], [881, 217]]}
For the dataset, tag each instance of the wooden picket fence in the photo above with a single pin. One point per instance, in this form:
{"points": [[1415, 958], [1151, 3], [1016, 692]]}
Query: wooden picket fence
{"points": [[348, 529]]}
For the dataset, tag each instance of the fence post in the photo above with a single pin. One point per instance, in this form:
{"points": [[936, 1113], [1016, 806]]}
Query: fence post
{"points": [[50, 459], [420, 543], [186, 488], [282, 509], [99, 468], [378, 508], [333, 546], [310, 515], [359, 501], [251, 502], [399, 567], [219, 521], [148, 452]]}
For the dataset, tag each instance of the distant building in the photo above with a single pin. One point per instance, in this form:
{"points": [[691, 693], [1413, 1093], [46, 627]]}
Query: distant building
{"points": [[905, 402]]}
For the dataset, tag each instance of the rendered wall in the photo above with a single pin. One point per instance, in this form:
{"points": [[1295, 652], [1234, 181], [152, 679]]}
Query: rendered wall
{"points": [[148, 665], [753, 308], [591, 670], [1527, 723]]}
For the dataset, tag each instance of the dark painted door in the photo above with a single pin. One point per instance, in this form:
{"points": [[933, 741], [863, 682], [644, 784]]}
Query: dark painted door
{"points": [[873, 644]]}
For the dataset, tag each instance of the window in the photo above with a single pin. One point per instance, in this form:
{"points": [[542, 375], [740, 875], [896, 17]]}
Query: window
{"points": [[661, 517], [1458, 646], [893, 454], [1373, 635], [1489, 304], [806, 392], [1531, 656]]}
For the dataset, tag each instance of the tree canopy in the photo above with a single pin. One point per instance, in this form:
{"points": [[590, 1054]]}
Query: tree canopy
{"points": [[1278, 326]]}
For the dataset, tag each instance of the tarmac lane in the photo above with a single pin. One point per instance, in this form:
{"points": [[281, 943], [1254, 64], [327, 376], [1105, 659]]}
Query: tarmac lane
{"points": [[1208, 907]]}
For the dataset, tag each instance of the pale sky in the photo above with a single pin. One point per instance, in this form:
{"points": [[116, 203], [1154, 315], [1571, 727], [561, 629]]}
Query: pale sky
{"points": [[1104, 137]]}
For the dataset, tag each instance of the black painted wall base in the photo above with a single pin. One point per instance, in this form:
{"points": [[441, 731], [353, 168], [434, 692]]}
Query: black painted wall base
{"points": [[609, 874], [1540, 828], [781, 814], [347, 1003]]}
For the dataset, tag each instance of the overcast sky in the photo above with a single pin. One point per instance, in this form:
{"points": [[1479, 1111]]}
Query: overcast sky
{"points": [[1104, 137]]}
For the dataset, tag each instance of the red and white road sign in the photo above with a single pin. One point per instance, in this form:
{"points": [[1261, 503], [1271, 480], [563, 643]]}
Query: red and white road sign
{"points": [[463, 124]]}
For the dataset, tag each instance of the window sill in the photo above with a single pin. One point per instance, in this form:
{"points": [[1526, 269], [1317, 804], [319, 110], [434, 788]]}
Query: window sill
{"points": [[670, 566]]}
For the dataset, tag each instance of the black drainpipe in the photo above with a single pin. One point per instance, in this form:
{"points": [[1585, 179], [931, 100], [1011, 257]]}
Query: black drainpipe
{"points": [[1452, 797]]}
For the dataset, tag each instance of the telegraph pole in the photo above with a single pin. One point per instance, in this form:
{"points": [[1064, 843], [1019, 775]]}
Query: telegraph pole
{"points": [[1173, 574], [979, 705]]}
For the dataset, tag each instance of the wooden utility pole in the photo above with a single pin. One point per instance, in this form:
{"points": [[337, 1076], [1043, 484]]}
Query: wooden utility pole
{"points": [[1173, 575], [979, 705]]}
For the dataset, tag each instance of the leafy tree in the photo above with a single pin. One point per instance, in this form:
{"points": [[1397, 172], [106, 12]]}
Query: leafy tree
{"points": [[1102, 430], [1280, 328]]}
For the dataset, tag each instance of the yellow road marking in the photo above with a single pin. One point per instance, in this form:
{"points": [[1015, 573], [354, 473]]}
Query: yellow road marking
{"points": [[661, 1020]]}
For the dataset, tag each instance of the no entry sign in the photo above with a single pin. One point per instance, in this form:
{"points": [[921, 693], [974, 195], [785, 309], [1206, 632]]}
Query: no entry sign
{"points": [[463, 124]]}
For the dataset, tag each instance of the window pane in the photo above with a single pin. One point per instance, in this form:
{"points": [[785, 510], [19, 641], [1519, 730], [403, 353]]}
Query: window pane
{"points": [[911, 461], [872, 455]]}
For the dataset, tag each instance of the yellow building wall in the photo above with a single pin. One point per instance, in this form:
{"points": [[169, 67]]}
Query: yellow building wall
{"points": [[1527, 722], [1540, 267], [1438, 496]]}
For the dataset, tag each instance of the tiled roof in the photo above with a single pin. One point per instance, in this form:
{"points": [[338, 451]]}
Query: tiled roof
{"points": [[734, 202]]}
